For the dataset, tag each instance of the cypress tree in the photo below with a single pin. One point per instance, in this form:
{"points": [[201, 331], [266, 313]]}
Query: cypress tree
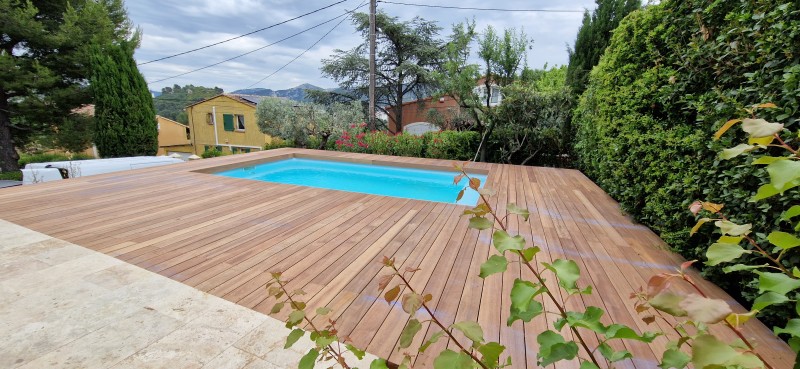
{"points": [[593, 37], [124, 114]]}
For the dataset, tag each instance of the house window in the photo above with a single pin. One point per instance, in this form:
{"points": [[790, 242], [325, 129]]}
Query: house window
{"points": [[239, 122], [188, 134], [495, 98], [209, 118]]}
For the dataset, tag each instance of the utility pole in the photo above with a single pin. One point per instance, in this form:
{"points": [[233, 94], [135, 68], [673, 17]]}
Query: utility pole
{"points": [[372, 10]]}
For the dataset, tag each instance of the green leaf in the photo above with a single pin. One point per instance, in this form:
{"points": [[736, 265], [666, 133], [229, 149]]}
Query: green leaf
{"points": [[323, 311], [674, 358], [567, 272], [735, 151], [760, 127], [791, 213], [624, 332], [707, 351], [553, 348], [590, 319], [514, 209], [768, 160], [480, 223], [460, 194], [588, 365], [776, 282], [783, 240], [294, 335], [784, 172], [530, 252], [698, 225], [490, 353], [358, 353], [378, 364], [307, 361], [407, 335], [739, 267], [732, 229], [276, 308], [472, 330], [495, 264], [613, 356], [706, 310], [792, 328], [449, 359], [503, 241], [723, 253], [295, 317], [765, 191], [669, 303], [523, 305], [434, 337]]}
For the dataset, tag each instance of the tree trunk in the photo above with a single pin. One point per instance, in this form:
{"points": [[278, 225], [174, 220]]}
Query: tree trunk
{"points": [[398, 110], [323, 141], [9, 159]]}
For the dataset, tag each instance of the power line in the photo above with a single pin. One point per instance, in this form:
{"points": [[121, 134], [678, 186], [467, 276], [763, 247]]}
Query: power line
{"points": [[243, 35], [306, 50], [484, 9], [251, 51]]}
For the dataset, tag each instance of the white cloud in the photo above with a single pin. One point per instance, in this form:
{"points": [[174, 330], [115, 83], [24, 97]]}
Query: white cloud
{"points": [[172, 26]]}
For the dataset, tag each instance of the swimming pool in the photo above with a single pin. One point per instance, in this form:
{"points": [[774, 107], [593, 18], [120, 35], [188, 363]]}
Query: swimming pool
{"points": [[418, 184]]}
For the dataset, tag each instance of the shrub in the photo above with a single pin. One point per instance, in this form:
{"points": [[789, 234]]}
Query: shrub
{"points": [[409, 145], [42, 158], [453, 145], [379, 142], [213, 153], [277, 143], [673, 73]]}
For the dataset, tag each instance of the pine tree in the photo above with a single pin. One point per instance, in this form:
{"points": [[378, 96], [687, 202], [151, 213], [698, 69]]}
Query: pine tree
{"points": [[124, 112], [593, 37], [44, 46]]}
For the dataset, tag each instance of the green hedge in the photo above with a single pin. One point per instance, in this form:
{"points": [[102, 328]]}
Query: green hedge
{"points": [[453, 145], [672, 74]]}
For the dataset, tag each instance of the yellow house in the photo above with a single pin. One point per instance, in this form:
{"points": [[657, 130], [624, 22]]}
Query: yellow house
{"points": [[173, 137], [226, 122]]}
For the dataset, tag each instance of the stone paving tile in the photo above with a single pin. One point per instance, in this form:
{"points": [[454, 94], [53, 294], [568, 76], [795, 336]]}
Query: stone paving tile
{"points": [[64, 306]]}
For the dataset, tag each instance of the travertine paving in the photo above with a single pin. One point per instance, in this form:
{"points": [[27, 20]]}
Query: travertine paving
{"points": [[65, 306]]}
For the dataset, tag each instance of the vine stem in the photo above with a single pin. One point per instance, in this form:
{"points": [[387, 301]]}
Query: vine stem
{"points": [[436, 320], [785, 146], [758, 247], [561, 309], [338, 354]]}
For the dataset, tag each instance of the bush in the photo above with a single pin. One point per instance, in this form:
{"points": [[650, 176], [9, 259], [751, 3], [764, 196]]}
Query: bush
{"points": [[277, 143], [672, 74], [453, 145], [213, 153], [48, 157], [409, 145], [11, 176]]}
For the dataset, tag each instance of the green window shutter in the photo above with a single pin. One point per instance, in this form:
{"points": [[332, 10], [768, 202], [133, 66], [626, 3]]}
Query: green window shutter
{"points": [[227, 120]]}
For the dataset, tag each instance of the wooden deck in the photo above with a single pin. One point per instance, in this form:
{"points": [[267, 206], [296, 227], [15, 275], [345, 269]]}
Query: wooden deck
{"points": [[224, 235]]}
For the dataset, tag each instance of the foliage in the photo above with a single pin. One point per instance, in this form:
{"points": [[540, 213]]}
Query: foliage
{"points": [[75, 134], [501, 58], [327, 344], [213, 153], [593, 38], [407, 52], [277, 143], [44, 47], [452, 145], [26, 159], [173, 100], [298, 122], [126, 121], [534, 122], [672, 74], [11, 176]]}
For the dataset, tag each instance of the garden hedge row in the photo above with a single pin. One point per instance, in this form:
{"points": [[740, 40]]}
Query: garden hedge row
{"points": [[671, 76]]}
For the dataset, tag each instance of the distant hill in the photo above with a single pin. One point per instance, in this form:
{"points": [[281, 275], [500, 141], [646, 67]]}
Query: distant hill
{"points": [[171, 101], [295, 93]]}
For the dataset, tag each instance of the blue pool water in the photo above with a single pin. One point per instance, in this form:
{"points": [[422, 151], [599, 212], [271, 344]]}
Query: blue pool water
{"points": [[419, 184]]}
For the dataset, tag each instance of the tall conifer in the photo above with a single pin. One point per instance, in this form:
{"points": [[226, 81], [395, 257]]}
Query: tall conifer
{"points": [[124, 112]]}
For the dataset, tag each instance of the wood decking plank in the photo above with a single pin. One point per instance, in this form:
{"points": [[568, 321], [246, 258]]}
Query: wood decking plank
{"points": [[225, 235]]}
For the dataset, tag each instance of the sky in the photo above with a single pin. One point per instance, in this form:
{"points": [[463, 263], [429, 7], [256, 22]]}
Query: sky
{"points": [[172, 26]]}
